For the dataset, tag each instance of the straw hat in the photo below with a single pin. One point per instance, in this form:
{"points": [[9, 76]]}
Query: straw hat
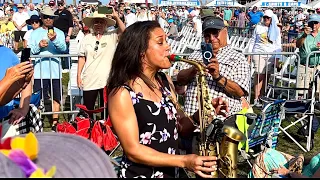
{"points": [[89, 20], [48, 11]]}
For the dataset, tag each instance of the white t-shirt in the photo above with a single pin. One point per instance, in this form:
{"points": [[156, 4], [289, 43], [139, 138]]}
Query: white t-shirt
{"points": [[1, 13], [162, 22], [144, 17], [259, 42], [197, 22], [130, 19], [299, 18], [20, 18], [96, 69], [27, 35]]}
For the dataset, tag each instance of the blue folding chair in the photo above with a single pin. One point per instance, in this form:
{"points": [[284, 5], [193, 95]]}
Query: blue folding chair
{"points": [[264, 134]]}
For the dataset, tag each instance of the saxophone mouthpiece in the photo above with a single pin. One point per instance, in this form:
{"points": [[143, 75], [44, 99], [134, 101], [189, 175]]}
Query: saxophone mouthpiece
{"points": [[174, 58]]}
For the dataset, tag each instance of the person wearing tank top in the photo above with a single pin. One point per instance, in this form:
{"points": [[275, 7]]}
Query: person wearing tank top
{"points": [[143, 111]]}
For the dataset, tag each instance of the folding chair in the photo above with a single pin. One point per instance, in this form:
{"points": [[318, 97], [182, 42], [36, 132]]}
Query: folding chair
{"points": [[304, 106], [265, 131]]}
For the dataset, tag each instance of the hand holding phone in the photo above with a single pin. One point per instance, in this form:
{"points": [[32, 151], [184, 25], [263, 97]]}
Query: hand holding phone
{"points": [[105, 10], [25, 56]]}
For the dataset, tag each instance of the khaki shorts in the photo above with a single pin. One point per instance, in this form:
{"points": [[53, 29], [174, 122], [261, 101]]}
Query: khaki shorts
{"points": [[301, 77], [261, 61]]}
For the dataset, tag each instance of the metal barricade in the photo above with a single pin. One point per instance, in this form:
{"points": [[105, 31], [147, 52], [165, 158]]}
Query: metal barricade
{"points": [[277, 69], [52, 61]]}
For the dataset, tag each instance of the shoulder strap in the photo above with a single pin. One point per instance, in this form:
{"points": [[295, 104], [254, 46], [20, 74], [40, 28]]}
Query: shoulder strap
{"points": [[164, 81], [127, 87]]}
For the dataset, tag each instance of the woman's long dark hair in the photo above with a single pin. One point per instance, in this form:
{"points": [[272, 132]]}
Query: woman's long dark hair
{"points": [[127, 62]]}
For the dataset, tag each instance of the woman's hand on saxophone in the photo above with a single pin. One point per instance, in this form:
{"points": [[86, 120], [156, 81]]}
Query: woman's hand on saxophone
{"points": [[201, 164], [221, 106]]}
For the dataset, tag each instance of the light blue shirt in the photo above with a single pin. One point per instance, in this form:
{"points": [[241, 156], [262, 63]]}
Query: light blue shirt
{"points": [[34, 12], [49, 67]]}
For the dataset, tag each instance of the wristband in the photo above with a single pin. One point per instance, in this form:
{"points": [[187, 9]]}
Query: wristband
{"points": [[218, 79]]}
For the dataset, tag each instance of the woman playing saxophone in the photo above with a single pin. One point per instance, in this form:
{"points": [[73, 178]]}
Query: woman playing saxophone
{"points": [[142, 108]]}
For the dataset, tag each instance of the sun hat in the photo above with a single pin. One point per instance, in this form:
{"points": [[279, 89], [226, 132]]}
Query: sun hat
{"points": [[212, 23], [89, 20], [314, 17], [48, 11], [20, 6], [143, 6], [268, 13], [64, 155], [33, 18]]}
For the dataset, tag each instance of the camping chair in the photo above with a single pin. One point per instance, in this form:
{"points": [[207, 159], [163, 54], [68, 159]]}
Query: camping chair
{"points": [[303, 106], [264, 133]]}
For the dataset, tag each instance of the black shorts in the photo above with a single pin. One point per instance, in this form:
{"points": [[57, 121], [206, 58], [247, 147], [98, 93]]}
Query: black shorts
{"points": [[18, 35], [46, 88]]}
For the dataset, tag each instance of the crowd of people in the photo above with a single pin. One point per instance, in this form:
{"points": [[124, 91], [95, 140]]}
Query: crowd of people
{"points": [[126, 51]]}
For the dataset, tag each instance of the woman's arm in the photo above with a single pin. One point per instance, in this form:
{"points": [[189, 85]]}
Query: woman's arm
{"points": [[125, 123]]}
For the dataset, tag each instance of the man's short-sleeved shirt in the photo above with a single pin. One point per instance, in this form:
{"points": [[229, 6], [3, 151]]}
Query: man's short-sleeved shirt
{"points": [[64, 21], [234, 66], [309, 45], [8, 60], [255, 17]]}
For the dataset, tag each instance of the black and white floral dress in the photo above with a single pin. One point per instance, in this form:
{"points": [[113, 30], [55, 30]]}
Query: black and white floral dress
{"points": [[157, 130]]}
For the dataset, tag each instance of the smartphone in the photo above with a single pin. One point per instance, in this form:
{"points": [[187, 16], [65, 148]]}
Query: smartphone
{"points": [[105, 10], [50, 30], [25, 56], [207, 54]]}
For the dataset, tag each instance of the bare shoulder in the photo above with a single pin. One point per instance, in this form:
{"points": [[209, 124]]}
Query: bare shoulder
{"points": [[119, 96]]}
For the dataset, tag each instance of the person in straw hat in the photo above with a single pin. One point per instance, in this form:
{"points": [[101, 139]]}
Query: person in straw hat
{"points": [[44, 42], [95, 55]]}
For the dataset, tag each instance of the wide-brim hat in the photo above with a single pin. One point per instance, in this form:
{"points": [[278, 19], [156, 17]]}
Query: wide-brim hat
{"points": [[73, 156], [89, 20], [48, 11], [20, 6], [33, 18]]}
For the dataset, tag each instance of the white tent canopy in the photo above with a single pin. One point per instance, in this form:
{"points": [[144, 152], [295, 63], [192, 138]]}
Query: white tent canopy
{"points": [[229, 3], [278, 3], [314, 4], [138, 1]]}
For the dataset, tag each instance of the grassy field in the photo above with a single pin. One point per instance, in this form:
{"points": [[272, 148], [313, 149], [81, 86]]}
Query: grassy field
{"points": [[284, 143]]}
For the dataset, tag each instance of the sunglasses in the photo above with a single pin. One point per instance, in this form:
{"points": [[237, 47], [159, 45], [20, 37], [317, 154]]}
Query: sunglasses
{"points": [[48, 17], [34, 22], [97, 46], [60, 4], [266, 17], [214, 32]]}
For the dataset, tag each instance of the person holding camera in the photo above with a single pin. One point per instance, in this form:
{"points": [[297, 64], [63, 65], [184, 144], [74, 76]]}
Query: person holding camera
{"points": [[95, 55]]}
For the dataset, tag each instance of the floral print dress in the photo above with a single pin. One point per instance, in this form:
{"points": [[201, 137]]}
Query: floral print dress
{"points": [[157, 129]]}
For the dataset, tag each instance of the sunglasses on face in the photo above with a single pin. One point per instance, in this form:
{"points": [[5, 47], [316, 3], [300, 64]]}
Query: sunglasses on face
{"points": [[48, 17], [60, 4], [20, 8], [266, 17], [34, 22], [214, 32]]}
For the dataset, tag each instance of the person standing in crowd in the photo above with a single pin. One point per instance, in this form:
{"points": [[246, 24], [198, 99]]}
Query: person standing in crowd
{"points": [[19, 20], [10, 60], [197, 25], [77, 27], [47, 73], [173, 31], [228, 73], [64, 22], [227, 14], [143, 14], [254, 16], [142, 99], [300, 17], [35, 22], [163, 23], [32, 11], [130, 17], [242, 19], [95, 56], [266, 38], [52, 5]]}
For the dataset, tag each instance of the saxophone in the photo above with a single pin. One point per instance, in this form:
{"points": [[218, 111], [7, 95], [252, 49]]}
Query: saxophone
{"points": [[216, 139]]}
